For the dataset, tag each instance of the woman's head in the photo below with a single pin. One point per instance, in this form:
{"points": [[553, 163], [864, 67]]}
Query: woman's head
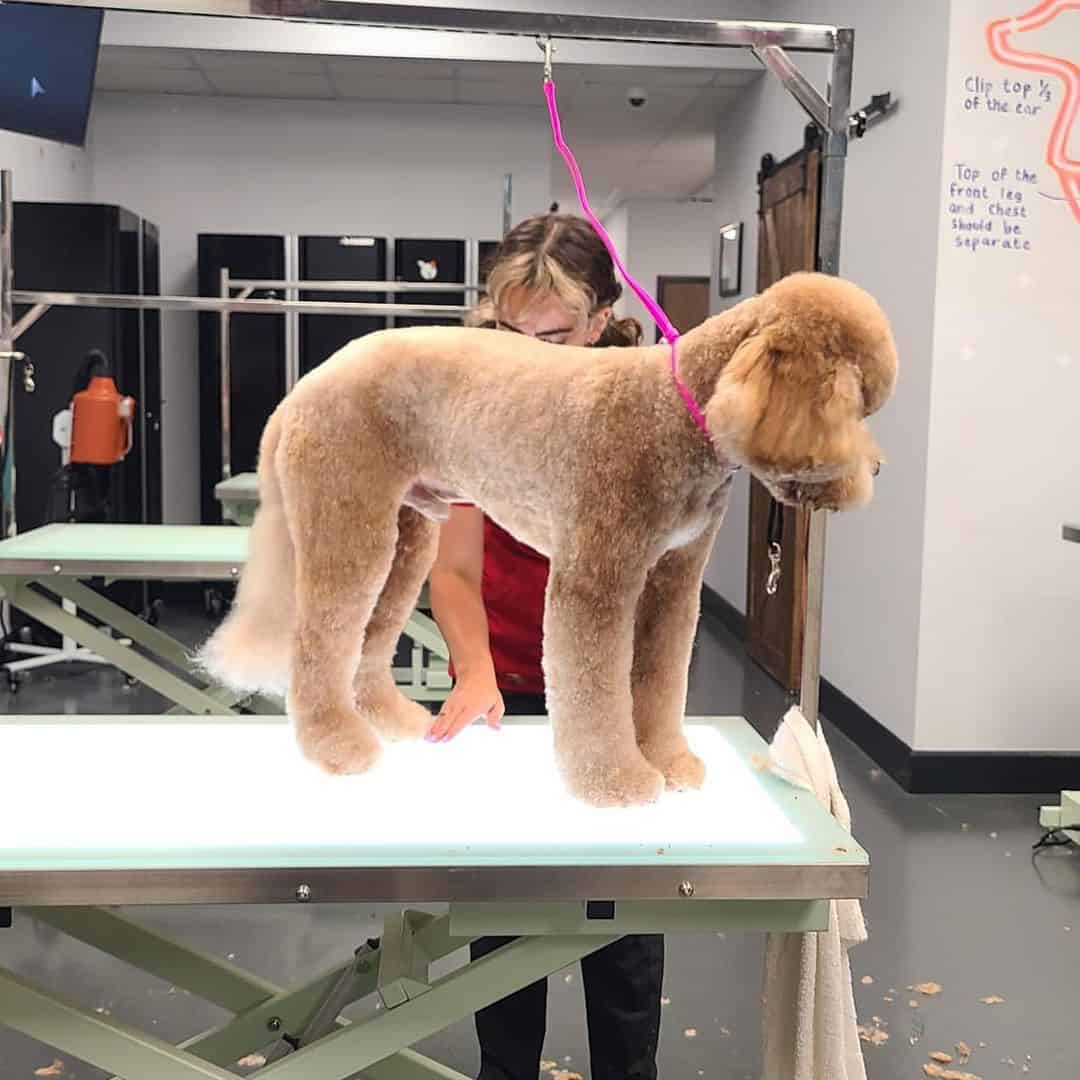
{"points": [[553, 279]]}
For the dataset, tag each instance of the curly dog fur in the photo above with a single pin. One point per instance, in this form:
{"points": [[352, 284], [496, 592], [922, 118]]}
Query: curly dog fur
{"points": [[588, 456]]}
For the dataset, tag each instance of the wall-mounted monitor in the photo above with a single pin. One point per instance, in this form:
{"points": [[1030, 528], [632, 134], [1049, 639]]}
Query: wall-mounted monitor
{"points": [[48, 63]]}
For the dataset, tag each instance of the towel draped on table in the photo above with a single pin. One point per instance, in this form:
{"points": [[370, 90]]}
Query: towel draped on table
{"points": [[809, 1025]]}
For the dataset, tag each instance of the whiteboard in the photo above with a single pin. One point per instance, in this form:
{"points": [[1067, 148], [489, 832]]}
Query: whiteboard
{"points": [[1001, 590]]}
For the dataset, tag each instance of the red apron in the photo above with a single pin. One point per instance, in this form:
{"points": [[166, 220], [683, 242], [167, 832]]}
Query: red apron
{"points": [[513, 585]]}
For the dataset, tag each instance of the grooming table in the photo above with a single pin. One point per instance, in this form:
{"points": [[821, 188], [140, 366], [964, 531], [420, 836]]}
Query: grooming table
{"points": [[42, 573], [239, 497], [748, 852]]}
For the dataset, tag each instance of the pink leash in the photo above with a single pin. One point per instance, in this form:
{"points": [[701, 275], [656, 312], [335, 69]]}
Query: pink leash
{"points": [[671, 335]]}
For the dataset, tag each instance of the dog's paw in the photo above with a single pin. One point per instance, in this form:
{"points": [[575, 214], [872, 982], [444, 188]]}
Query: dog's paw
{"points": [[393, 715], [400, 719], [340, 748], [633, 782], [684, 772]]}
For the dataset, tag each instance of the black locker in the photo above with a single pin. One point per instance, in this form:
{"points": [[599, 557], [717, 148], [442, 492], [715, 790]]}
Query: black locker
{"points": [[488, 250], [338, 258], [257, 358], [63, 247], [430, 260], [87, 248]]}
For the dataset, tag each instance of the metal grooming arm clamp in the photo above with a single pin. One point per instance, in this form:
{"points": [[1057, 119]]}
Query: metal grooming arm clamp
{"points": [[880, 107]]}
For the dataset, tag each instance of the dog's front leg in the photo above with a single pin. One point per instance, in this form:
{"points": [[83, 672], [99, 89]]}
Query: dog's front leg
{"points": [[667, 618], [588, 648]]}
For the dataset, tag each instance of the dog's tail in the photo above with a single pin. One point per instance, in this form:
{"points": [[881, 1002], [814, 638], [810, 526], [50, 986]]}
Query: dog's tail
{"points": [[251, 650]]}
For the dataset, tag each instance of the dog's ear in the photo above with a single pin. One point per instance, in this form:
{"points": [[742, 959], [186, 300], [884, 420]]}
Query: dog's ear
{"points": [[789, 404], [786, 411]]}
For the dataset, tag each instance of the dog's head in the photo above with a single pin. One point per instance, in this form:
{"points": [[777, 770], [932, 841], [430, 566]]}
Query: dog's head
{"points": [[816, 359]]}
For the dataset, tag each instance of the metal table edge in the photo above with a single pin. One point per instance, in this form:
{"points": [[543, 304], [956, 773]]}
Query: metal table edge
{"points": [[537, 884], [44, 570]]}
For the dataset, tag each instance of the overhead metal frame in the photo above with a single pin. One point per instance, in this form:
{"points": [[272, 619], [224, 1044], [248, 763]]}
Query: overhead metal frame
{"points": [[733, 33], [769, 41]]}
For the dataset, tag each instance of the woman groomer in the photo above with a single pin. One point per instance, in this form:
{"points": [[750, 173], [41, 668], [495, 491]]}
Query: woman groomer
{"points": [[552, 279]]}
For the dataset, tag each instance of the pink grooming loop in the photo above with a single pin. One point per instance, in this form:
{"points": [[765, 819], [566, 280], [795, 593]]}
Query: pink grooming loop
{"points": [[671, 335]]}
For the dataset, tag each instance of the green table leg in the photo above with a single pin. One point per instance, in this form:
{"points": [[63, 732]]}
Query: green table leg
{"points": [[205, 976], [359, 1046], [408, 1065], [155, 641], [139, 667], [131, 626], [286, 1012], [264, 1012], [257, 704], [98, 1040], [425, 631]]}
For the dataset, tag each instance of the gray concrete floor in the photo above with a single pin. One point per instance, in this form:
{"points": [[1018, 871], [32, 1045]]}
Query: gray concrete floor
{"points": [[957, 899]]}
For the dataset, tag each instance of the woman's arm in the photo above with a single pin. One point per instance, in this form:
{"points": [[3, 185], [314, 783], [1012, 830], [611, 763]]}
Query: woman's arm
{"points": [[458, 607]]}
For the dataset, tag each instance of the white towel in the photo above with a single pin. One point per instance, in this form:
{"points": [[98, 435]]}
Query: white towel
{"points": [[809, 1025]]}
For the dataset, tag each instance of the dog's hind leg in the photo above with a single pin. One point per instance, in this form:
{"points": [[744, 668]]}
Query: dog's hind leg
{"points": [[342, 501], [377, 697]]}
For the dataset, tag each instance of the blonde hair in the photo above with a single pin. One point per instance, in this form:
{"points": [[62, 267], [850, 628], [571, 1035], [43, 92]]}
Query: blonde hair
{"points": [[558, 255]]}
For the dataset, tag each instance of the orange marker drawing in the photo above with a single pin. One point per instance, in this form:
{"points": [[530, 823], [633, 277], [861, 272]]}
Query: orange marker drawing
{"points": [[999, 39]]}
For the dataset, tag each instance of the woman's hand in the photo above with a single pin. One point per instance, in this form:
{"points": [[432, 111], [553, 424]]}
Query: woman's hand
{"points": [[475, 697]]}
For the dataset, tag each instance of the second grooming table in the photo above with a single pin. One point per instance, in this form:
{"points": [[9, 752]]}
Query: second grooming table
{"points": [[42, 568]]}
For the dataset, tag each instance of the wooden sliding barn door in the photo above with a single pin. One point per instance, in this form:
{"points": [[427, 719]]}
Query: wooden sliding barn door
{"points": [[788, 207]]}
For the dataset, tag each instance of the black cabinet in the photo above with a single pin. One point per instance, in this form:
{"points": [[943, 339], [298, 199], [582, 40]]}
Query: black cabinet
{"points": [[339, 258], [64, 247], [256, 359], [87, 248], [488, 249], [435, 261], [258, 344]]}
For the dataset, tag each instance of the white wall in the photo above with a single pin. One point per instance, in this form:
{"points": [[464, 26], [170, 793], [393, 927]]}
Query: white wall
{"points": [[1000, 592], [617, 224], [241, 165], [875, 555], [663, 238], [44, 171]]}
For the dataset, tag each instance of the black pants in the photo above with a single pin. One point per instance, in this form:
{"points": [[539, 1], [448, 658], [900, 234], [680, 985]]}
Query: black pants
{"points": [[622, 981]]}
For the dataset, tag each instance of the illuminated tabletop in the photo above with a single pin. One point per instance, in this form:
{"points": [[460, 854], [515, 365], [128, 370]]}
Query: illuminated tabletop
{"points": [[174, 809]]}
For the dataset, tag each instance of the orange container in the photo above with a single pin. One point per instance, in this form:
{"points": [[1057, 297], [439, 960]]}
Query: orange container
{"points": [[101, 423]]}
